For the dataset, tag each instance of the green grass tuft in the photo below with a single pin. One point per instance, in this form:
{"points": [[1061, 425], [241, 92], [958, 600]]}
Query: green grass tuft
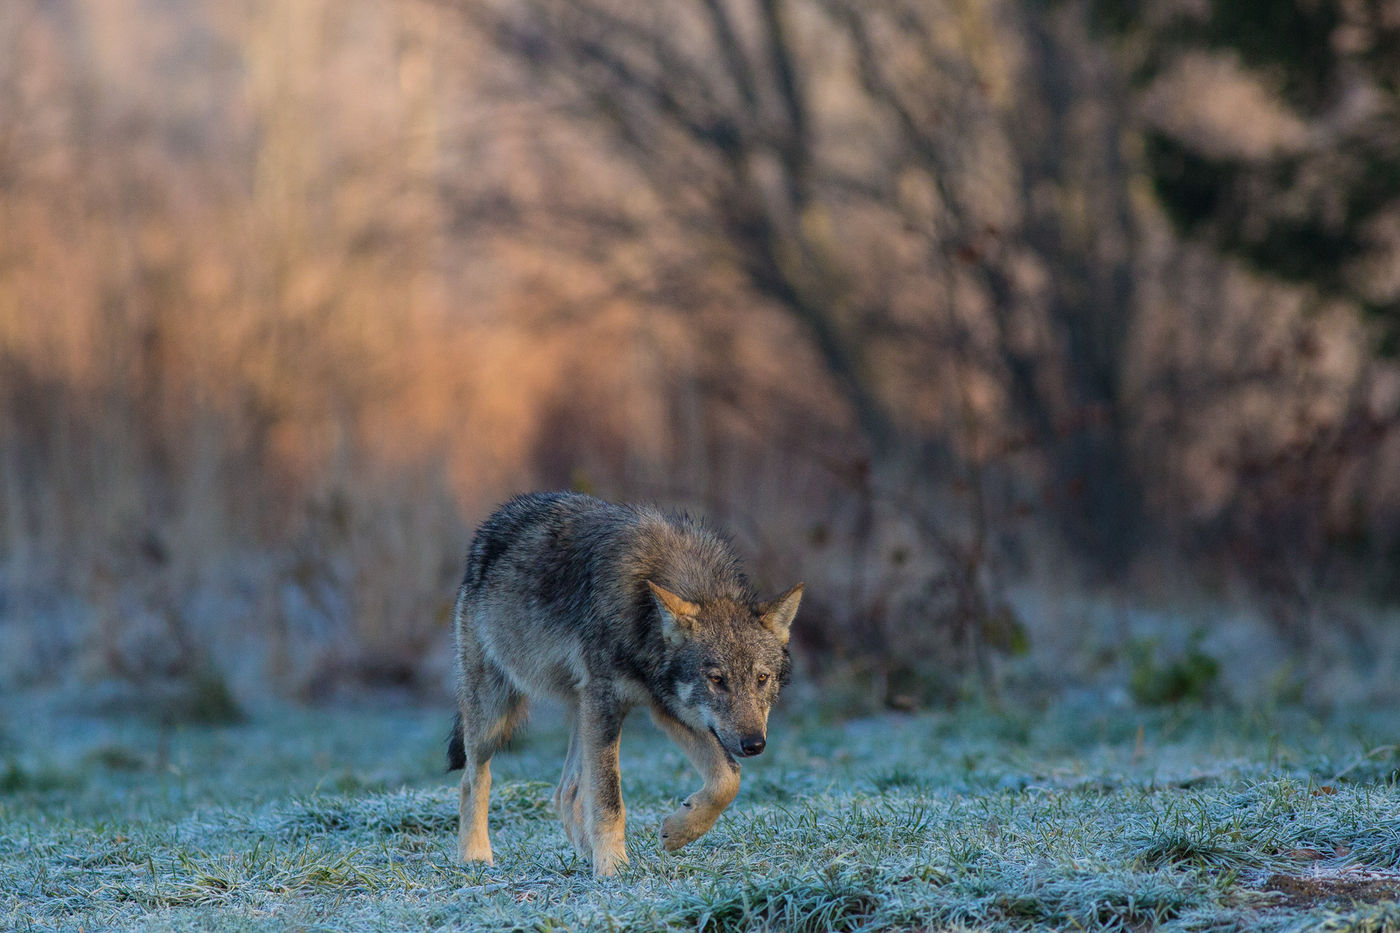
{"points": [[1383, 917]]}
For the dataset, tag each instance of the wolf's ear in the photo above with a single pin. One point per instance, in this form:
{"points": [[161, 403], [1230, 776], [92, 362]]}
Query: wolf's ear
{"points": [[777, 616], [678, 616]]}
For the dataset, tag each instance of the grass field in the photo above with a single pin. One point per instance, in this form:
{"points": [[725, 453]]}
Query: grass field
{"points": [[1076, 817]]}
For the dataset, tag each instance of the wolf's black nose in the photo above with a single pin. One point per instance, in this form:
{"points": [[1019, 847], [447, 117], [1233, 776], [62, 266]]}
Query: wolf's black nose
{"points": [[753, 745]]}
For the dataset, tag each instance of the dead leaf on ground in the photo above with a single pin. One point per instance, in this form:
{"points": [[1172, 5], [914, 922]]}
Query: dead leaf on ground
{"points": [[1335, 884]]}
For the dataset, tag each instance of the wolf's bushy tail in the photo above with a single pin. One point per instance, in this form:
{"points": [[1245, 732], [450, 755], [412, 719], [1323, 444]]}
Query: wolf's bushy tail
{"points": [[456, 747]]}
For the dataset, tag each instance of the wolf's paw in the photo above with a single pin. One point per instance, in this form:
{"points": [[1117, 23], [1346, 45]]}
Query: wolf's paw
{"points": [[683, 827], [470, 854], [571, 815], [607, 861], [578, 836]]}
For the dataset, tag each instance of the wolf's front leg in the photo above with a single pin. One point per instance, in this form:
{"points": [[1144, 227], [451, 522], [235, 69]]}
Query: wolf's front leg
{"points": [[698, 813], [599, 730]]}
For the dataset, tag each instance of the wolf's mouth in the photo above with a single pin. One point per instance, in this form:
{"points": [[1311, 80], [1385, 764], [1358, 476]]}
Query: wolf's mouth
{"points": [[723, 744]]}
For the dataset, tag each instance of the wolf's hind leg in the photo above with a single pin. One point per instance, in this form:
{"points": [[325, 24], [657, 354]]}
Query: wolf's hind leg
{"points": [[698, 813], [473, 842], [491, 707], [568, 802]]}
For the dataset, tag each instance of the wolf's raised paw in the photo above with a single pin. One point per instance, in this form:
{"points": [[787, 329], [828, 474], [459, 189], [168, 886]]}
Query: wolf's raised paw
{"points": [[569, 805], [681, 828]]}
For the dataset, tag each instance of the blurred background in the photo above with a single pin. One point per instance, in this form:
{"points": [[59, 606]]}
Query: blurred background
{"points": [[1053, 343]]}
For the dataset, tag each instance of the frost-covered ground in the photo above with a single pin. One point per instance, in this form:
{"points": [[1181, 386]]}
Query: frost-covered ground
{"points": [[1079, 817]]}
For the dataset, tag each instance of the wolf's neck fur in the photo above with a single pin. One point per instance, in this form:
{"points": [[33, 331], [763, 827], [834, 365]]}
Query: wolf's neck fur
{"points": [[691, 559]]}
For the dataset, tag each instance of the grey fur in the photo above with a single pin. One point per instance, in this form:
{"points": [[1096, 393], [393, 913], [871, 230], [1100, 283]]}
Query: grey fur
{"points": [[608, 607]]}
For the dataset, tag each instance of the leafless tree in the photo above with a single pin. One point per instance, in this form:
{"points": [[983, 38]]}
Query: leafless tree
{"points": [[912, 184]]}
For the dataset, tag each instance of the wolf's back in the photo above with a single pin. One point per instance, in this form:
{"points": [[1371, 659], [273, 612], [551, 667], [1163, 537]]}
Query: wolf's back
{"points": [[540, 535], [565, 547]]}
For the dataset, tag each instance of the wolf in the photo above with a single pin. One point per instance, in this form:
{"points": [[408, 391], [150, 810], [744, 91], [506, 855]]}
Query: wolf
{"points": [[609, 607]]}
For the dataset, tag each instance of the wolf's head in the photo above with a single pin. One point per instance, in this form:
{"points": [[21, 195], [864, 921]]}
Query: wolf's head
{"points": [[728, 660]]}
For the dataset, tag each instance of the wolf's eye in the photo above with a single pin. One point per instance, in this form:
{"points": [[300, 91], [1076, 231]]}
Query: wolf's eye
{"points": [[717, 680], [762, 679]]}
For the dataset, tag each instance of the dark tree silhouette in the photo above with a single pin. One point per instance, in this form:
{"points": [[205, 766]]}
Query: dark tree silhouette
{"points": [[1321, 211]]}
